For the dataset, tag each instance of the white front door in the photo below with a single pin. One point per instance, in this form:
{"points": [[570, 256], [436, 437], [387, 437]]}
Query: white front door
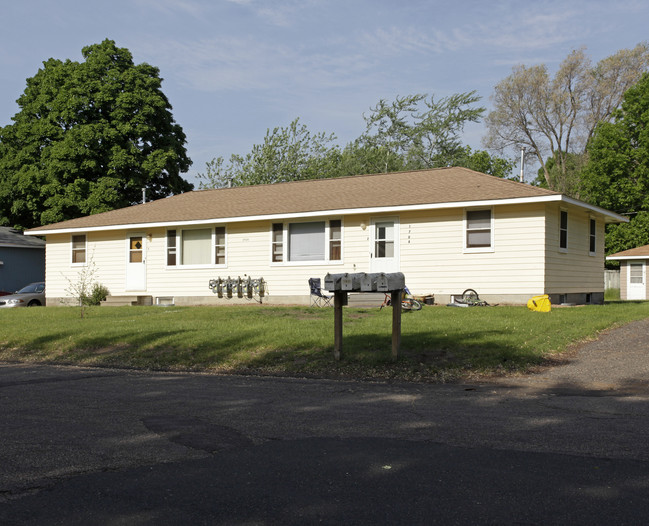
{"points": [[636, 281], [384, 245], [136, 262]]}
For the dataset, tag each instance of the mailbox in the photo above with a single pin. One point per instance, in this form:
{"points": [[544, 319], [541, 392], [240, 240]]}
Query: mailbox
{"points": [[366, 282], [362, 282], [332, 282]]}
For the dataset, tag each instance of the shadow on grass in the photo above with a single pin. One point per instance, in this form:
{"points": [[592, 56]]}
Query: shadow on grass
{"points": [[436, 344]]}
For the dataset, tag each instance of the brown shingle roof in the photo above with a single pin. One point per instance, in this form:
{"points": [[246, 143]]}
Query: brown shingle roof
{"points": [[631, 253], [440, 185]]}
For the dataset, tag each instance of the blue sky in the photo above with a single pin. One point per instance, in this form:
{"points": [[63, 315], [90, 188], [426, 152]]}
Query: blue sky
{"points": [[233, 68]]}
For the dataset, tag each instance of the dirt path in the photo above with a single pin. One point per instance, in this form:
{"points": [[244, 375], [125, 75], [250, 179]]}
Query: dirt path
{"points": [[618, 361]]}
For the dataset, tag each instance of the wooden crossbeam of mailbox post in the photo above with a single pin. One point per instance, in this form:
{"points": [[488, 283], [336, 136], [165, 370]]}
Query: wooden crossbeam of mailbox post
{"points": [[342, 284]]}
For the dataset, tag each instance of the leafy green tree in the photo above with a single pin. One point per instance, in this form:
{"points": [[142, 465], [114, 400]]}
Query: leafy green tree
{"points": [[418, 130], [553, 117], [408, 133], [482, 161], [617, 174], [573, 165], [289, 153], [88, 137]]}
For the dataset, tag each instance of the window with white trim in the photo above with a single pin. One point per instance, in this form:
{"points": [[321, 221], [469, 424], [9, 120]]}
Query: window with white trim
{"points": [[636, 273], [196, 246], [563, 230], [335, 240], [592, 238], [78, 249], [219, 245], [278, 243], [307, 241], [478, 229], [172, 250]]}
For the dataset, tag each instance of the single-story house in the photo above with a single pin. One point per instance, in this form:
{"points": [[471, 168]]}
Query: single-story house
{"points": [[633, 272], [22, 259], [446, 229]]}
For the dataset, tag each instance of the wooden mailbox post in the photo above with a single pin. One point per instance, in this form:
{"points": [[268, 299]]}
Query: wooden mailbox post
{"points": [[342, 284]]}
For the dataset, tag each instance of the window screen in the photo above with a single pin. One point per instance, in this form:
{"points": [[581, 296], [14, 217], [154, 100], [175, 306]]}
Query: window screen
{"points": [[79, 249], [478, 228]]}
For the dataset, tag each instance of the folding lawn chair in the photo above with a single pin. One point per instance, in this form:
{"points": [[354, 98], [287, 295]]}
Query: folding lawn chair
{"points": [[318, 299]]}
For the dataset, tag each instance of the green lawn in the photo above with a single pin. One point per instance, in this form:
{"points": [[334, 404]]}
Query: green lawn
{"points": [[438, 343]]}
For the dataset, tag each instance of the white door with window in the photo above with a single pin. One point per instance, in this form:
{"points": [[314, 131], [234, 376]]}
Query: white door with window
{"points": [[636, 281], [384, 245], [136, 262]]}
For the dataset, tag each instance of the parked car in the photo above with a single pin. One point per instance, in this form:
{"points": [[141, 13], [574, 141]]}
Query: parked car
{"points": [[30, 296]]}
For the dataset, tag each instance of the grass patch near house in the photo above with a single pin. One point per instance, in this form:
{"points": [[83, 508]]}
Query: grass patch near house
{"points": [[612, 295], [438, 343]]}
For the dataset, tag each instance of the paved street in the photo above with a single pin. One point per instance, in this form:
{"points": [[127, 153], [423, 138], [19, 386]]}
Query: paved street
{"points": [[565, 446]]}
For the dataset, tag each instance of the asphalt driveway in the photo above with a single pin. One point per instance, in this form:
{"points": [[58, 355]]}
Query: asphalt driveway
{"points": [[566, 445]]}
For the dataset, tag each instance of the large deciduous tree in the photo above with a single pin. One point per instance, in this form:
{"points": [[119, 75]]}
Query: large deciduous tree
{"points": [[408, 133], [289, 153], [617, 174], [420, 131], [88, 137], [554, 117]]}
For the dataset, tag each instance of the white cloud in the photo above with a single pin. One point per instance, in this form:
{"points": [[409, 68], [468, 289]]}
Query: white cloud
{"points": [[194, 8], [249, 63], [282, 13]]}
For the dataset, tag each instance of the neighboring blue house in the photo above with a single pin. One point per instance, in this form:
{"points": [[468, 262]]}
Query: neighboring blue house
{"points": [[22, 259]]}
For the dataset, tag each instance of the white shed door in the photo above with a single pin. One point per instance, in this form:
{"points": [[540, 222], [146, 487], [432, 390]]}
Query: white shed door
{"points": [[136, 263], [636, 281]]}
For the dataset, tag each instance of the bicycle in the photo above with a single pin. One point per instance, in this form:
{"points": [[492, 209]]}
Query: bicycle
{"points": [[408, 303], [470, 297]]}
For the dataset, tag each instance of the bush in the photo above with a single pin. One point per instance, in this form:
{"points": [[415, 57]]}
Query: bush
{"points": [[97, 295]]}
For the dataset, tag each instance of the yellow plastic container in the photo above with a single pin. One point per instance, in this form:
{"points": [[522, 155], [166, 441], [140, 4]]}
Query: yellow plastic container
{"points": [[540, 303]]}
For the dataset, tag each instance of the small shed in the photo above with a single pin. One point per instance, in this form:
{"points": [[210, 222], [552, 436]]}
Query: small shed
{"points": [[633, 272], [22, 259]]}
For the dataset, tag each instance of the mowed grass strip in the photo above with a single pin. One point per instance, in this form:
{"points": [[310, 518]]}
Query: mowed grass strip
{"points": [[438, 343]]}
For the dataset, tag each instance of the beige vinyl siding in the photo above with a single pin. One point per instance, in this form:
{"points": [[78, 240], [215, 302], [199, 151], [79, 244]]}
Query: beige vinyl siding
{"points": [[524, 260], [434, 261], [573, 270], [624, 279], [248, 248], [104, 251]]}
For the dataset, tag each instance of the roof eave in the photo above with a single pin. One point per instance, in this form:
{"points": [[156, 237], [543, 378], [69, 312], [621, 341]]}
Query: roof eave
{"points": [[623, 258], [609, 217]]}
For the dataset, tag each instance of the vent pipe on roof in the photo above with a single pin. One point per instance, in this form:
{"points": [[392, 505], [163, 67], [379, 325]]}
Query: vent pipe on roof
{"points": [[522, 162], [143, 195]]}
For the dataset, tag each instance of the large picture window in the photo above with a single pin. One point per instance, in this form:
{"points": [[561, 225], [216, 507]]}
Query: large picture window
{"points": [[307, 241], [478, 229], [197, 246], [79, 249]]}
